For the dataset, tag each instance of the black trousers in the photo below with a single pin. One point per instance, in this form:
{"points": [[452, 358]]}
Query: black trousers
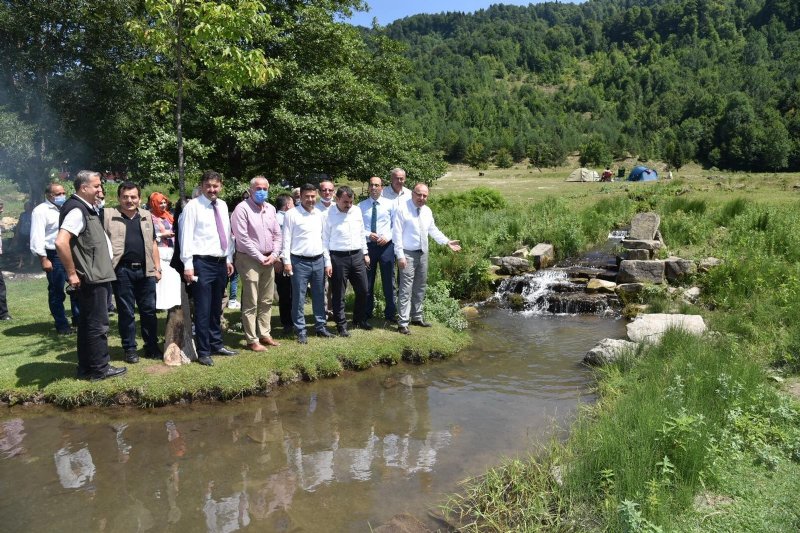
{"points": [[3, 303], [93, 328], [212, 279], [349, 267], [134, 289], [283, 284]]}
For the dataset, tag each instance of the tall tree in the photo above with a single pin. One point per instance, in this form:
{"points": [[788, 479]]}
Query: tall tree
{"points": [[186, 42]]}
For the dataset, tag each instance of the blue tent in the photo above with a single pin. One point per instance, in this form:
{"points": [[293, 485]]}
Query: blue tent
{"points": [[642, 174]]}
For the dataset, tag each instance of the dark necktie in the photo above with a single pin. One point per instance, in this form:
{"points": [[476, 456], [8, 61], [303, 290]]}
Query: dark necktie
{"points": [[373, 223], [223, 239]]}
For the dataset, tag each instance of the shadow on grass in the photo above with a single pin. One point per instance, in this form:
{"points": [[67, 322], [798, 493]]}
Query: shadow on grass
{"points": [[29, 330], [43, 374]]}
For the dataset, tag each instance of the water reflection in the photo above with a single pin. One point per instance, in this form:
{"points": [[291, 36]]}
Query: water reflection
{"points": [[338, 455]]}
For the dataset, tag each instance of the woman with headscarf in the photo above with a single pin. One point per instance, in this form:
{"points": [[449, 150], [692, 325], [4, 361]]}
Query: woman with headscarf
{"points": [[168, 292]]}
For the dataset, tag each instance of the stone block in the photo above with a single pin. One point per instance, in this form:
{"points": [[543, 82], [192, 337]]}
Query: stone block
{"points": [[522, 252], [644, 226], [544, 255], [627, 290], [708, 263], [641, 272], [600, 285], [677, 269], [636, 255], [650, 328], [607, 351], [513, 266], [641, 244]]}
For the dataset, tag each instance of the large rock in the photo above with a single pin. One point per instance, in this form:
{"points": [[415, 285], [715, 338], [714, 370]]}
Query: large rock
{"points": [[708, 263], [600, 285], [512, 266], [642, 244], [641, 272], [522, 252], [636, 255], [607, 351], [644, 226], [650, 328], [628, 290], [544, 255], [677, 269]]}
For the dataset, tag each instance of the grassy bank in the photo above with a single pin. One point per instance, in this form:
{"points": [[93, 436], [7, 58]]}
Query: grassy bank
{"points": [[690, 435], [38, 366]]}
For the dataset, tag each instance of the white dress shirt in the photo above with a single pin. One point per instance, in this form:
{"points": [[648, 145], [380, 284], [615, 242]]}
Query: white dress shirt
{"points": [[322, 207], [302, 234], [74, 223], [44, 228], [389, 193], [411, 228], [385, 212], [343, 232], [198, 231]]}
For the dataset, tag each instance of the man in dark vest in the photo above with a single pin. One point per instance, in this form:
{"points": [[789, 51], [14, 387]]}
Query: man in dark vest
{"points": [[85, 252], [137, 266]]}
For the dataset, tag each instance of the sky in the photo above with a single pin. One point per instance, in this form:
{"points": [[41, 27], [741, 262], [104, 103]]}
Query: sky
{"points": [[387, 11]]}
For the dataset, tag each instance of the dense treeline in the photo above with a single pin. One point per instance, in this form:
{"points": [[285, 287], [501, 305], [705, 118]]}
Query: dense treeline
{"points": [[714, 81], [69, 99]]}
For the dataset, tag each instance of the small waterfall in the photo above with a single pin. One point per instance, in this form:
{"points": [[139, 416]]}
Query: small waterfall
{"points": [[549, 292]]}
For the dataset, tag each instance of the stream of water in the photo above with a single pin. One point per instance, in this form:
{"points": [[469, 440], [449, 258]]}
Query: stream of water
{"points": [[344, 454]]}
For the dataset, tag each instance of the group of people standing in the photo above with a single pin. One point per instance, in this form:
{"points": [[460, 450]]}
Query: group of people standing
{"points": [[146, 253]]}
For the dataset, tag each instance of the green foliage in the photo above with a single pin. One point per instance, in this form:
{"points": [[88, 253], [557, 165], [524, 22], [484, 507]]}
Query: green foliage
{"points": [[483, 198], [440, 305], [656, 79], [503, 158]]}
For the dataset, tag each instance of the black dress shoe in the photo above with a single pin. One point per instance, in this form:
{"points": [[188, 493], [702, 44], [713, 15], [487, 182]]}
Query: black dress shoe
{"points": [[205, 360], [155, 353], [65, 332], [421, 323], [109, 372], [302, 338], [403, 330], [342, 331], [131, 357], [225, 351], [366, 326], [325, 333]]}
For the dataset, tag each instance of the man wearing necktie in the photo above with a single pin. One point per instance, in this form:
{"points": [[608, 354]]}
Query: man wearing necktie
{"points": [[207, 255], [412, 224], [377, 212]]}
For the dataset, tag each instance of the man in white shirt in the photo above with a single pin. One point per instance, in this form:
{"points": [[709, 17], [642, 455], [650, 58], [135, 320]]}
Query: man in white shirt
{"points": [[377, 212], [397, 190], [207, 253], [413, 223], [304, 261], [81, 244], [344, 242], [326, 190], [44, 228]]}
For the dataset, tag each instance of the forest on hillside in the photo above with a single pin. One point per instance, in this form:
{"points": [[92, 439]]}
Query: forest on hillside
{"points": [[292, 90], [714, 81]]}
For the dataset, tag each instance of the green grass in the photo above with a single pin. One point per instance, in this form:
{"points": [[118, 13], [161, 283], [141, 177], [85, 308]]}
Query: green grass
{"points": [[686, 418], [37, 365]]}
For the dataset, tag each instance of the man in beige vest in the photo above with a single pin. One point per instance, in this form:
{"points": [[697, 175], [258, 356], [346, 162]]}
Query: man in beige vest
{"points": [[138, 268]]}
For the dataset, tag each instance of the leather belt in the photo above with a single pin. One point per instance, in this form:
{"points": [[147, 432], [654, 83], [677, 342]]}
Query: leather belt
{"points": [[131, 265], [212, 258], [307, 257], [338, 253]]}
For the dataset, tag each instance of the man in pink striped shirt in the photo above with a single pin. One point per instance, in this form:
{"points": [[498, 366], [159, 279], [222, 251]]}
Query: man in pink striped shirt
{"points": [[258, 245]]}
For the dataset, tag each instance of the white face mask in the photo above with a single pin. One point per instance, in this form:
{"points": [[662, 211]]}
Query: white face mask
{"points": [[101, 204]]}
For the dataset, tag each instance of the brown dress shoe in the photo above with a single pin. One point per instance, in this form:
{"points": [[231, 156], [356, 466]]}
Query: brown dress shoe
{"points": [[269, 341], [257, 347]]}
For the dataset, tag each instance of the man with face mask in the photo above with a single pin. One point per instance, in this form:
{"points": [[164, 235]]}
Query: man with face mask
{"points": [[44, 228], [258, 245]]}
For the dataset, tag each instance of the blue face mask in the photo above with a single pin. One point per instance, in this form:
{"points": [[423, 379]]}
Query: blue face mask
{"points": [[260, 196], [58, 201]]}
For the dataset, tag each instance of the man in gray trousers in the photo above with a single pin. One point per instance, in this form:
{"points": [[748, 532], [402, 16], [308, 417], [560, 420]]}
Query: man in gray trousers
{"points": [[413, 223]]}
